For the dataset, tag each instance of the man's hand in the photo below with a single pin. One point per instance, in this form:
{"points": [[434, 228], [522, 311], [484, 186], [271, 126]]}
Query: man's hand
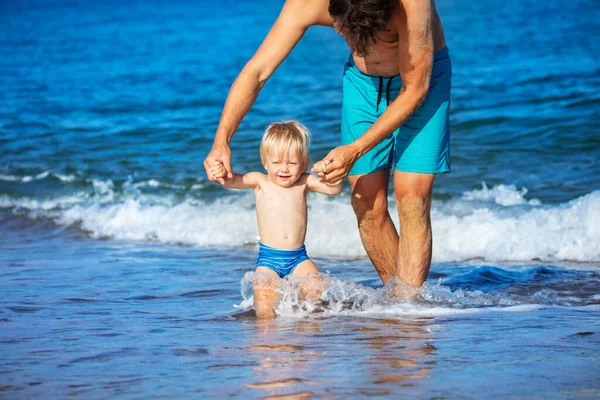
{"points": [[337, 164], [219, 154]]}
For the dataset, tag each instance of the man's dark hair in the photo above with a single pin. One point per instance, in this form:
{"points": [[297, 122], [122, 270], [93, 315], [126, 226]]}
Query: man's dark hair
{"points": [[362, 19]]}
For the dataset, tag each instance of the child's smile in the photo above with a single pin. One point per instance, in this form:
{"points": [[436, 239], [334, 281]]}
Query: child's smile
{"points": [[286, 170]]}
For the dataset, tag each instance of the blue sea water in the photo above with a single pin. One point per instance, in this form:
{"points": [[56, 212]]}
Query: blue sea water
{"points": [[125, 273]]}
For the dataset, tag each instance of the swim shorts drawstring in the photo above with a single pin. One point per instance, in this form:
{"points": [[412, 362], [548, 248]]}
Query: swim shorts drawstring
{"points": [[387, 91], [379, 94]]}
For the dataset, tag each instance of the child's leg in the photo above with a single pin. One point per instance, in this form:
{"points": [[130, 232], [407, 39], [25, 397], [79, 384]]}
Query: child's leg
{"points": [[311, 285], [266, 283]]}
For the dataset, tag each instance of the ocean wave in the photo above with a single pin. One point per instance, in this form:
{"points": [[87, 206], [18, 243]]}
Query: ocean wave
{"points": [[495, 224]]}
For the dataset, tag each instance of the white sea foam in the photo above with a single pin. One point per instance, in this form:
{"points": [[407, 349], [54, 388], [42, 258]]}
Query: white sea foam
{"points": [[42, 175], [9, 178], [41, 208], [569, 231], [501, 194], [496, 224], [153, 183]]}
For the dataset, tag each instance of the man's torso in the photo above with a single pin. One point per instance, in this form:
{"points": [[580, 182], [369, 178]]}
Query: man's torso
{"points": [[383, 57]]}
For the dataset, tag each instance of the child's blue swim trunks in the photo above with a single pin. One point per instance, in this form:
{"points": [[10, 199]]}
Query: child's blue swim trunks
{"points": [[421, 144], [284, 262]]}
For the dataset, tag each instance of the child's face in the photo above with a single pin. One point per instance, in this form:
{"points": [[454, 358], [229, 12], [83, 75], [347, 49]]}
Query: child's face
{"points": [[284, 170]]}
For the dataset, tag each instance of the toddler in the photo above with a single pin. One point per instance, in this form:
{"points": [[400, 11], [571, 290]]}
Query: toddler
{"points": [[281, 210]]}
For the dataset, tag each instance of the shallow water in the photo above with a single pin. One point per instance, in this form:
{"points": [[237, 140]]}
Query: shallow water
{"points": [[124, 273], [107, 318]]}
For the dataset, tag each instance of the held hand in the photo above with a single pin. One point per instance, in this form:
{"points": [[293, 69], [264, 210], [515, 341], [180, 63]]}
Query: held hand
{"points": [[218, 154], [336, 165], [320, 167], [218, 171]]}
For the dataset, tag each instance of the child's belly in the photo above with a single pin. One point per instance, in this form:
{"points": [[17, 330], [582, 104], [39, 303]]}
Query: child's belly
{"points": [[285, 232]]}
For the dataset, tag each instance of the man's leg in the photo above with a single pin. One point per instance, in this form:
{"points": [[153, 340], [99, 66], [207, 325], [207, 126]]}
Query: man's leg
{"points": [[413, 200], [422, 146], [377, 231]]}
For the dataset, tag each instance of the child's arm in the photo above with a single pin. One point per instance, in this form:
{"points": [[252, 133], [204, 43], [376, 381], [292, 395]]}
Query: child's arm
{"points": [[247, 181], [239, 181], [314, 183]]}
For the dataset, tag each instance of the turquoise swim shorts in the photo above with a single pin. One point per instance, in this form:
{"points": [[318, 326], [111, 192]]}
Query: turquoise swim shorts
{"points": [[422, 143]]}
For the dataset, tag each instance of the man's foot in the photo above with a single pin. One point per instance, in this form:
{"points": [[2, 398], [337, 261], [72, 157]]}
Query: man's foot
{"points": [[396, 289]]}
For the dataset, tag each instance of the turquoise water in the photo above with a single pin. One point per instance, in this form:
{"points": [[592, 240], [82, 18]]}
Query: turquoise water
{"points": [[124, 273]]}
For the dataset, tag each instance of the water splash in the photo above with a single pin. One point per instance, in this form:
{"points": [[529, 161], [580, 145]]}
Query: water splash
{"points": [[471, 291]]}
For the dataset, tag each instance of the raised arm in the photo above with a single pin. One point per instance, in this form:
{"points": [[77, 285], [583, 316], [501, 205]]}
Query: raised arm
{"points": [[295, 17], [415, 50], [248, 181], [314, 184]]}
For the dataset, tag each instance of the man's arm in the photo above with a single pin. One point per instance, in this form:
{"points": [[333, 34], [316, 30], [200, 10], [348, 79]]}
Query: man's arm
{"points": [[415, 50], [295, 17]]}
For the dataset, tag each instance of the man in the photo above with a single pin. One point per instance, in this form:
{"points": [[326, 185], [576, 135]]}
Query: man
{"points": [[396, 96]]}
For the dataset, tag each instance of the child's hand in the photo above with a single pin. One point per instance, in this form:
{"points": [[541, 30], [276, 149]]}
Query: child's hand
{"points": [[320, 167], [218, 171]]}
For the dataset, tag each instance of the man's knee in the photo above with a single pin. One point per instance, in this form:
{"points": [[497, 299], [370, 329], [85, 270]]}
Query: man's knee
{"points": [[369, 195], [413, 196], [414, 208], [369, 205]]}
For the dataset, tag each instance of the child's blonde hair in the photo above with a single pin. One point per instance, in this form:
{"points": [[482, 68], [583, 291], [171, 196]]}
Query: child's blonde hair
{"points": [[280, 137]]}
